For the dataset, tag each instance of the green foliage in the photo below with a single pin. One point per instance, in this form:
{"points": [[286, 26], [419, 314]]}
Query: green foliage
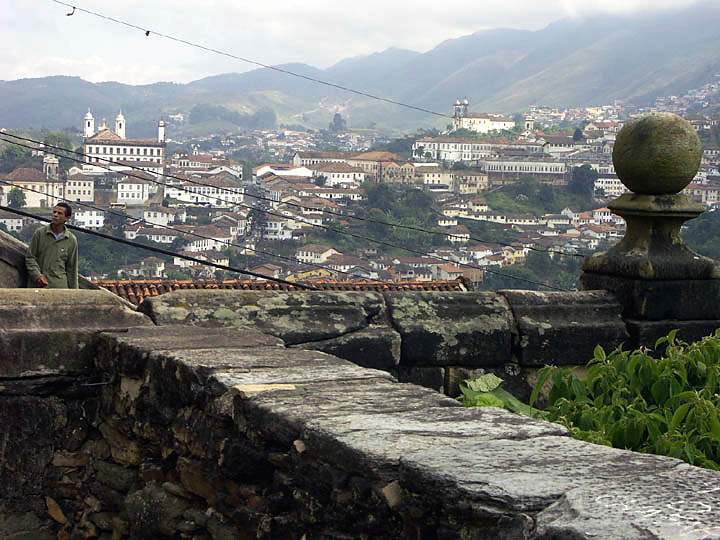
{"points": [[528, 196], [338, 123], [582, 183], [390, 204], [102, 256], [13, 157], [703, 234], [629, 399], [62, 140], [559, 271], [16, 198], [402, 146], [486, 391]]}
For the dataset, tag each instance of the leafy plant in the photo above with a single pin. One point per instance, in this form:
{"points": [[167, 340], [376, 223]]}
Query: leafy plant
{"points": [[486, 391], [629, 399]]}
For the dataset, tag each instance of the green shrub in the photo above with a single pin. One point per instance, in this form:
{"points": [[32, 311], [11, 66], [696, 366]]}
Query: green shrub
{"points": [[668, 406]]}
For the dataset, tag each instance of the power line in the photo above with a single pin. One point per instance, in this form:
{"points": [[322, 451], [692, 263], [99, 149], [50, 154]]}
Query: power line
{"points": [[188, 233], [324, 227], [301, 207], [148, 31], [159, 250]]}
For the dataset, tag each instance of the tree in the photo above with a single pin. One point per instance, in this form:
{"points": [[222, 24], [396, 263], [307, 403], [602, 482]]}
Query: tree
{"points": [[16, 198], [338, 123], [380, 196], [62, 140], [320, 180], [583, 181], [13, 157], [578, 135]]}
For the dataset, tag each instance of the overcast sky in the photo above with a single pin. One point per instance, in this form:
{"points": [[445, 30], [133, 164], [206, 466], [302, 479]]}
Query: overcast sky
{"points": [[39, 39]]}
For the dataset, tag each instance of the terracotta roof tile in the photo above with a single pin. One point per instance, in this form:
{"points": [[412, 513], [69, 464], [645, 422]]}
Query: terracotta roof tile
{"points": [[136, 290]]}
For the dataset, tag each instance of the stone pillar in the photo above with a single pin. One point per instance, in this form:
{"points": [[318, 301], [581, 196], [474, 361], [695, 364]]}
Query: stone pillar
{"points": [[660, 282]]}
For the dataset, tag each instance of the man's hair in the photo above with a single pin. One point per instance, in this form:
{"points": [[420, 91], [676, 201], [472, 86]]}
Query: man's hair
{"points": [[65, 206]]}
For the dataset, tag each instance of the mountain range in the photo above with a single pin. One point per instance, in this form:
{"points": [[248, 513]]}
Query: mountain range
{"points": [[572, 62]]}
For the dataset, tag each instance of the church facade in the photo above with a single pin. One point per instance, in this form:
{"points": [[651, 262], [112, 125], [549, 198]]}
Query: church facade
{"points": [[107, 149]]}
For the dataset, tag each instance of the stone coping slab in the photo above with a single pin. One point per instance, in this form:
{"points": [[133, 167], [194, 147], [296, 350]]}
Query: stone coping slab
{"points": [[563, 328], [56, 309], [526, 470]]}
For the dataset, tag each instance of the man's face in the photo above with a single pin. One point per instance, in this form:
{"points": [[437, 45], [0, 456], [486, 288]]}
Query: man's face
{"points": [[58, 216]]}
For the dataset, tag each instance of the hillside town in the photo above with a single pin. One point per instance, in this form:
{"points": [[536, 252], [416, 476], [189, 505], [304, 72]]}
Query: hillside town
{"points": [[494, 186]]}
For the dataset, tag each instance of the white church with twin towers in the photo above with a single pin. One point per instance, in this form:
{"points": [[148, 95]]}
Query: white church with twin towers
{"points": [[107, 149]]}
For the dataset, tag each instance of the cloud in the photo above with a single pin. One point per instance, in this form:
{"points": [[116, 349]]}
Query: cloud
{"points": [[40, 40]]}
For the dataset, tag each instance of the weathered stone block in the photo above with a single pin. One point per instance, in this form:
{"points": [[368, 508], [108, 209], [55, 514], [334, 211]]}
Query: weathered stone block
{"points": [[646, 333], [295, 317], [590, 510], [27, 429], [152, 511], [563, 328], [44, 352], [429, 377], [117, 477], [127, 352], [375, 347], [25, 526], [55, 309], [451, 328], [657, 300]]}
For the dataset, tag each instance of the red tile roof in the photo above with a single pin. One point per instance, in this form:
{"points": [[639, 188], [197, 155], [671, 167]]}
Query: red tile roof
{"points": [[136, 290], [27, 174]]}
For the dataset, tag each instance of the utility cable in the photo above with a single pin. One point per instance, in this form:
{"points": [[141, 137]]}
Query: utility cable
{"points": [[159, 250], [324, 227], [288, 72]]}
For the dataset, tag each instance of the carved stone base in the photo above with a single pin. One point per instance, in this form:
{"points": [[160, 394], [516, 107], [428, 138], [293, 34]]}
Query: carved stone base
{"points": [[646, 333], [659, 300]]}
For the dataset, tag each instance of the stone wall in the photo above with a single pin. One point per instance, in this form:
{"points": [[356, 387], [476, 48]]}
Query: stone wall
{"points": [[50, 404], [215, 433], [435, 339]]}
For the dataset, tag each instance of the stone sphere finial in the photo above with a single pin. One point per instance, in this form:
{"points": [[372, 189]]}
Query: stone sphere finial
{"points": [[657, 154]]}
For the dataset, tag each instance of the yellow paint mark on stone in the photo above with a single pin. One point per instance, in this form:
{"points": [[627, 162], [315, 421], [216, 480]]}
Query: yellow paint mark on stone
{"points": [[250, 390]]}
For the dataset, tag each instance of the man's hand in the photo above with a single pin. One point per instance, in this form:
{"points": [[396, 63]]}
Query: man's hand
{"points": [[42, 281]]}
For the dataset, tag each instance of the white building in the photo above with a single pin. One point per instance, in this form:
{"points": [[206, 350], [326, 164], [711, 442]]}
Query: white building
{"points": [[80, 187], [436, 180], [479, 122], [339, 174], [89, 218], [453, 149], [315, 253], [611, 186], [159, 215], [219, 191], [12, 222], [41, 188], [206, 238], [133, 190], [521, 167], [105, 149]]}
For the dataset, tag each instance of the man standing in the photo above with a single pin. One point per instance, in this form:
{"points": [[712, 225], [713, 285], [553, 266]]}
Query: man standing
{"points": [[52, 259]]}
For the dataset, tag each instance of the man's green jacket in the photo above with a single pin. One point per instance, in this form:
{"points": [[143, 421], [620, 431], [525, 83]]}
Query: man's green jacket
{"points": [[57, 260]]}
